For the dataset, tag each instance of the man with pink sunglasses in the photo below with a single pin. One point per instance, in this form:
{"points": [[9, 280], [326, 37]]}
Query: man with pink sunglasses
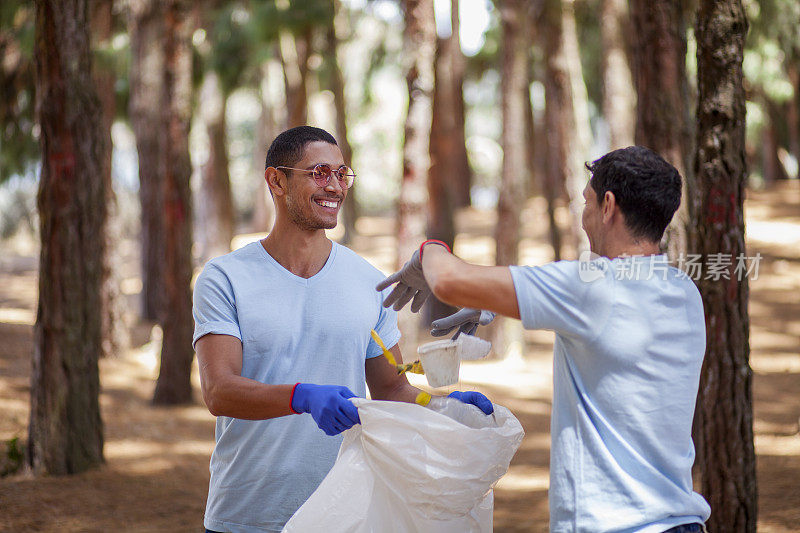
{"points": [[282, 327]]}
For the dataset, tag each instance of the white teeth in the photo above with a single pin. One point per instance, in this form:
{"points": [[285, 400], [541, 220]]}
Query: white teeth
{"points": [[325, 203]]}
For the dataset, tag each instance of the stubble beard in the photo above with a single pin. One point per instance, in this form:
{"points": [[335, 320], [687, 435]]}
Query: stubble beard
{"points": [[304, 220]]}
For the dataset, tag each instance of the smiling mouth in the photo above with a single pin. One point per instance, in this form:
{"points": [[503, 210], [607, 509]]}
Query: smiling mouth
{"points": [[330, 204]]}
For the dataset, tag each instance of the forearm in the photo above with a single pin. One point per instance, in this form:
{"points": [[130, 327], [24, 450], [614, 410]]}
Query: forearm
{"points": [[462, 284], [239, 397]]}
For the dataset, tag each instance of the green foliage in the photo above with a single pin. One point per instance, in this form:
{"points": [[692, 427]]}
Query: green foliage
{"points": [[12, 458], [233, 46], [270, 17], [18, 131], [772, 44]]}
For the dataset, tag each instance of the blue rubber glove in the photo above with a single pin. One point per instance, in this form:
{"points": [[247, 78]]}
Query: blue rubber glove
{"points": [[475, 398], [328, 405]]}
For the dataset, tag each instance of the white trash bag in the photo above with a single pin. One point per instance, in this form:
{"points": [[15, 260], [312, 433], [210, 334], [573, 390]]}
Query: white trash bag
{"points": [[408, 468]]}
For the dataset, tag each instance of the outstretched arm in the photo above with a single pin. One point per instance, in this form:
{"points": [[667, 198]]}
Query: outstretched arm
{"points": [[462, 284]]}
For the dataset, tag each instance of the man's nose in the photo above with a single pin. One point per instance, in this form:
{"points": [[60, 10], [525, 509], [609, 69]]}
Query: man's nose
{"points": [[334, 185]]}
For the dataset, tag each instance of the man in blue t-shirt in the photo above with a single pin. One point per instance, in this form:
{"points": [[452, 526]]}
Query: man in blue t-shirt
{"points": [[282, 327], [630, 340]]}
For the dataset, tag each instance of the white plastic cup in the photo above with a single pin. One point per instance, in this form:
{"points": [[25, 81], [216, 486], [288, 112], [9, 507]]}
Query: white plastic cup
{"points": [[441, 362]]}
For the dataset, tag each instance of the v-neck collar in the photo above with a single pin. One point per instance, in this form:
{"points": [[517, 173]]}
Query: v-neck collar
{"points": [[294, 277]]}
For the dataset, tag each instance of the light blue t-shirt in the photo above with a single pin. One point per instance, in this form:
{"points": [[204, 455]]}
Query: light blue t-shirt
{"points": [[630, 340], [293, 329]]}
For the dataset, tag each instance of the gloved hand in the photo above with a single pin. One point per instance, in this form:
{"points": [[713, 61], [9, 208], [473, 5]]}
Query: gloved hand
{"points": [[475, 398], [466, 320], [410, 284], [328, 405]]}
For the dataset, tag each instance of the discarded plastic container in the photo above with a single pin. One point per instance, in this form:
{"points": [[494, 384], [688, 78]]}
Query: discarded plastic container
{"points": [[472, 348], [441, 362]]}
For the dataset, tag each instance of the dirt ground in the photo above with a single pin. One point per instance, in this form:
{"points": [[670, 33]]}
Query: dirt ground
{"points": [[156, 472]]}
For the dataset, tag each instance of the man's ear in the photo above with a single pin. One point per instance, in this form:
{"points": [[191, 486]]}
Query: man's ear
{"points": [[609, 206], [276, 181]]}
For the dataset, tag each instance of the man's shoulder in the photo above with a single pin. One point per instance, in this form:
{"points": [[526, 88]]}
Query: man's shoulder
{"points": [[352, 260]]}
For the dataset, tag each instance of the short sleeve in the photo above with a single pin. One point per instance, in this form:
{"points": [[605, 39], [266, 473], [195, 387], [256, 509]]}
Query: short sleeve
{"points": [[556, 297], [386, 327], [214, 305]]}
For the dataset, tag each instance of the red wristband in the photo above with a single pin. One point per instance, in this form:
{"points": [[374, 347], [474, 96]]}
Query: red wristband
{"points": [[436, 241], [291, 399]]}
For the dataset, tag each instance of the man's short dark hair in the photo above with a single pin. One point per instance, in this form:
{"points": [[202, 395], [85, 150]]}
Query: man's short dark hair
{"points": [[646, 188], [288, 147]]}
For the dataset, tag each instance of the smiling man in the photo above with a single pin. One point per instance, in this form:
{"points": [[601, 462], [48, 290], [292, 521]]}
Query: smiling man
{"points": [[282, 327]]}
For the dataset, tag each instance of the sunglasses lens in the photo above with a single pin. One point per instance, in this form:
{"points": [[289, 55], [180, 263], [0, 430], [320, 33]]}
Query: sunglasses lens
{"points": [[322, 175], [346, 176]]}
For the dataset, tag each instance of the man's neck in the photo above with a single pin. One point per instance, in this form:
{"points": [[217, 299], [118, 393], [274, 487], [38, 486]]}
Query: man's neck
{"points": [[631, 248], [301, 252]]}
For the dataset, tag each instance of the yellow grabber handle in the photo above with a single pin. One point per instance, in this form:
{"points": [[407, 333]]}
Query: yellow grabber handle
{"points": [[416, 367]]}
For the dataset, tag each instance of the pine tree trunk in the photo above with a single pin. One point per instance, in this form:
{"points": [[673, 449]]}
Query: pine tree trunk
{"points": [[116, 337], [580, 132], [66, 431], [216, 199], [174, 384], [662, 115], [793, 114], [266, 131], [558, 119], [619, 97], [350, 214], [294, 52], [462, 173], [724, 419], [419, 50], [442, 183], [514, 90], [146, 29]]}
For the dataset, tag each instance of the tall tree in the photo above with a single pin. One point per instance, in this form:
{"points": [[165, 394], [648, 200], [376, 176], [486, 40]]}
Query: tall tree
{"points": [[115, 332], [662, 114], [558, 117], [174, 383], [462, 172], [146, 29], [66, 432], [580, 132], [514, 89], [724, 423], [419, 51], [619, 97], [443, 178], [337, 85], [215, 196]]}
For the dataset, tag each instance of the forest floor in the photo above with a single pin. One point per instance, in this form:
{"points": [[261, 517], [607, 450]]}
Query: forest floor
{"points": [[156, 472]]}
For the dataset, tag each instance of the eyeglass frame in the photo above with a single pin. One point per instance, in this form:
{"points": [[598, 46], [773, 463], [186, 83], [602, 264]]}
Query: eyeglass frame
{"points": [[333, 171]]}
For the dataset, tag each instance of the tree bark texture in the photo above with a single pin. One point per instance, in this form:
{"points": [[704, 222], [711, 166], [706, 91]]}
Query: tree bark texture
{"points": [[66, 431], [514, 89], [350, 213], [462, 172], [619, 97], [146, 28], [441, 177], [217, 213], [116, 337], [724, 423], [580, 134], [294, 53], [558, 119], [419, 51], [174, 385], [266, 131], [662, 112]]}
